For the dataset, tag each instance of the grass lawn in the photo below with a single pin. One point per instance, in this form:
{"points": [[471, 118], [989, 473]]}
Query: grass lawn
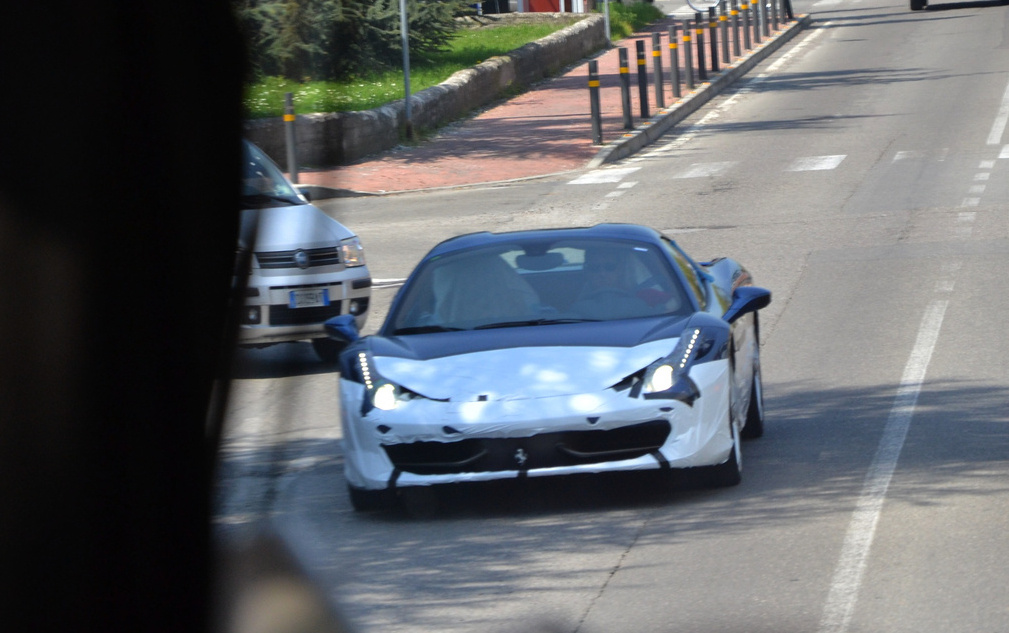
{"points": [[468, 48]]}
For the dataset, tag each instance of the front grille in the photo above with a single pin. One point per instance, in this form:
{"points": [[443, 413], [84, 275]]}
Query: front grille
{"points": [[547, 450], [284, 315], [286, 259]]}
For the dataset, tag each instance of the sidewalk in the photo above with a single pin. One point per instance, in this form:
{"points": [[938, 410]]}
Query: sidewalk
{"points": [[546, 130]]}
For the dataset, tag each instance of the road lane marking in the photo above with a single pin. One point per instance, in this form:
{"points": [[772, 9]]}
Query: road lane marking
{"points": [[816, 163], [908, 155], [998, 127], [851, 565], [749, 87], [603, 176], [702, 170]]}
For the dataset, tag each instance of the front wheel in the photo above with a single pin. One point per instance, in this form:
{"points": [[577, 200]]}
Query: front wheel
{"points": [[754, 427], [727, 474]]}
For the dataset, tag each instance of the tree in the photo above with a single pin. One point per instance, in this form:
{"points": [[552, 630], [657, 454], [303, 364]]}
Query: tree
{"points": [[336, 39]]}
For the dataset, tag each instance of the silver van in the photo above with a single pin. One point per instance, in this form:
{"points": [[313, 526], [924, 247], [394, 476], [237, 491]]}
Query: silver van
{"points": [[304, 267]]}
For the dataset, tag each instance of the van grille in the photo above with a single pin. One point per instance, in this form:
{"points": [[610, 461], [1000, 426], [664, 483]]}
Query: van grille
{"points": [[286, 259], [284, 315]]}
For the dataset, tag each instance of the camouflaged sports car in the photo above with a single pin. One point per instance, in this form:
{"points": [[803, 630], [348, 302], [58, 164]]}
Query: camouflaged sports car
{"points": [[553, 352]]}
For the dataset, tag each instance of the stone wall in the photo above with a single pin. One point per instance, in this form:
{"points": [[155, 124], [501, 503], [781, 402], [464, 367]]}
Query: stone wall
{"points": [[344, 137]]}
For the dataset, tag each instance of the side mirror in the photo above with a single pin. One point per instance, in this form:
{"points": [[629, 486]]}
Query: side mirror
{"points": [[747, 299], [342, 329]]}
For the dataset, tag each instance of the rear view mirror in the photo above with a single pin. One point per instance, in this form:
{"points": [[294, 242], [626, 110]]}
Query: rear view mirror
{"points": [[342, 329], [746, 299]]}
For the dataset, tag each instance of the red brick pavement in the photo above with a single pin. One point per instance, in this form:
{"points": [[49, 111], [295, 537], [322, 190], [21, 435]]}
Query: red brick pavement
{"points": [[543, 131]]}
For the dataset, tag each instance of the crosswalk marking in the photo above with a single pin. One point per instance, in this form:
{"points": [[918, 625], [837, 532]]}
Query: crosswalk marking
{"points": [[701, 170], [603, 176], [816, 163], [908, 155]]}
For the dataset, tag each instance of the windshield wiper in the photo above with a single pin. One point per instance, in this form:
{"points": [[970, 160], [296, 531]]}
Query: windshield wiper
{"points": [[529, 322], [425, 329]]}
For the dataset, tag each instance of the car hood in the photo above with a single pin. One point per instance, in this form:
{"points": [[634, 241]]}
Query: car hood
{"points": [[518, 363], [291, 227]]}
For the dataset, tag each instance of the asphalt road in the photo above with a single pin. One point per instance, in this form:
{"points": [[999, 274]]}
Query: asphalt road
{"points": [[862, 175]]}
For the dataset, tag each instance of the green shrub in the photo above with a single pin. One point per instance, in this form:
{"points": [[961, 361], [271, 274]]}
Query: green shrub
{"points": [[626, 19]]}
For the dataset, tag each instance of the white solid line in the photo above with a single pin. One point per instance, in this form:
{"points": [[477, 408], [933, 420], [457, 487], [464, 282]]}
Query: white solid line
{"points": [[998, 127], [858, 540]]}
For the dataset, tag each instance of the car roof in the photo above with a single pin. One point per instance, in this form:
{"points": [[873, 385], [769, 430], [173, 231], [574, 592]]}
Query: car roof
{"points": [[635, 232]]}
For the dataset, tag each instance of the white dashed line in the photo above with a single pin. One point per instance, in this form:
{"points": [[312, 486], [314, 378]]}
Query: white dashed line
{"points": [[702, 170], [627, 185], [908, 155], [998, 127], [816, 163], [603, 176]]}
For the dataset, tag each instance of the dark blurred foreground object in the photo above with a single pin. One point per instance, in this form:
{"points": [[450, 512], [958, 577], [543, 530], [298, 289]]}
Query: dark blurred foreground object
{"points": [[263, 588], [119, 155]]}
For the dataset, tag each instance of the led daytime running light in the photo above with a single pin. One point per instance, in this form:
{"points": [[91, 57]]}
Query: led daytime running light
{"points": [[362, 358], [689, 350]]}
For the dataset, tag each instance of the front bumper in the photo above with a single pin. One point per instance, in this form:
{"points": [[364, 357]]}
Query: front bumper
{"points": [[426, 442], [267, 316]]}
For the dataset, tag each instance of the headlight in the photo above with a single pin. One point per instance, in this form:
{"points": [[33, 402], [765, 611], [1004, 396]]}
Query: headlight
{"points": [[663, 374], [379, 393], [352, 253], [669, 377], [385, 397]]}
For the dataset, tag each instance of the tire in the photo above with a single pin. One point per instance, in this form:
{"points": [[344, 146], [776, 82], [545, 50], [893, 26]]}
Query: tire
{"points": [[754, 427], [728, 474], [327, 350], [918, 5], [370, 500]]}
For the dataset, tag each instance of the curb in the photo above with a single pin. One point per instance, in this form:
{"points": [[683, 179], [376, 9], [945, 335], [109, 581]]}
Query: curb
{"points": [[661, 123]]}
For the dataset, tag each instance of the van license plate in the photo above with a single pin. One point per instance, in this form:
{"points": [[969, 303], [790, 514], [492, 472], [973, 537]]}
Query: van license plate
{"points": [[309, 298]]}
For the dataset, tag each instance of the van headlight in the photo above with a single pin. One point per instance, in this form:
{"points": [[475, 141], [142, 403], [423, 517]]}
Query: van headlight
{"points": [[351, 252]]}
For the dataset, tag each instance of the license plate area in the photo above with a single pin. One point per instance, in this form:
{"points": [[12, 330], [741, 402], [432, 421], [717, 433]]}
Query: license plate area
{"points": [[308, 298]]}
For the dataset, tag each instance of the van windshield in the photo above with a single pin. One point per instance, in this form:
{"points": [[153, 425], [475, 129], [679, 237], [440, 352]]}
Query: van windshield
{"points": [[263, 184]]}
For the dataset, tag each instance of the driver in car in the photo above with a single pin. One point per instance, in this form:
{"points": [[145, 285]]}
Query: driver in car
{"points": [[610, 290]]}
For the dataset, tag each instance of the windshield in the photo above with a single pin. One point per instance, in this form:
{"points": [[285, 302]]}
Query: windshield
{"points": [[263, 184], [537, 283]]}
